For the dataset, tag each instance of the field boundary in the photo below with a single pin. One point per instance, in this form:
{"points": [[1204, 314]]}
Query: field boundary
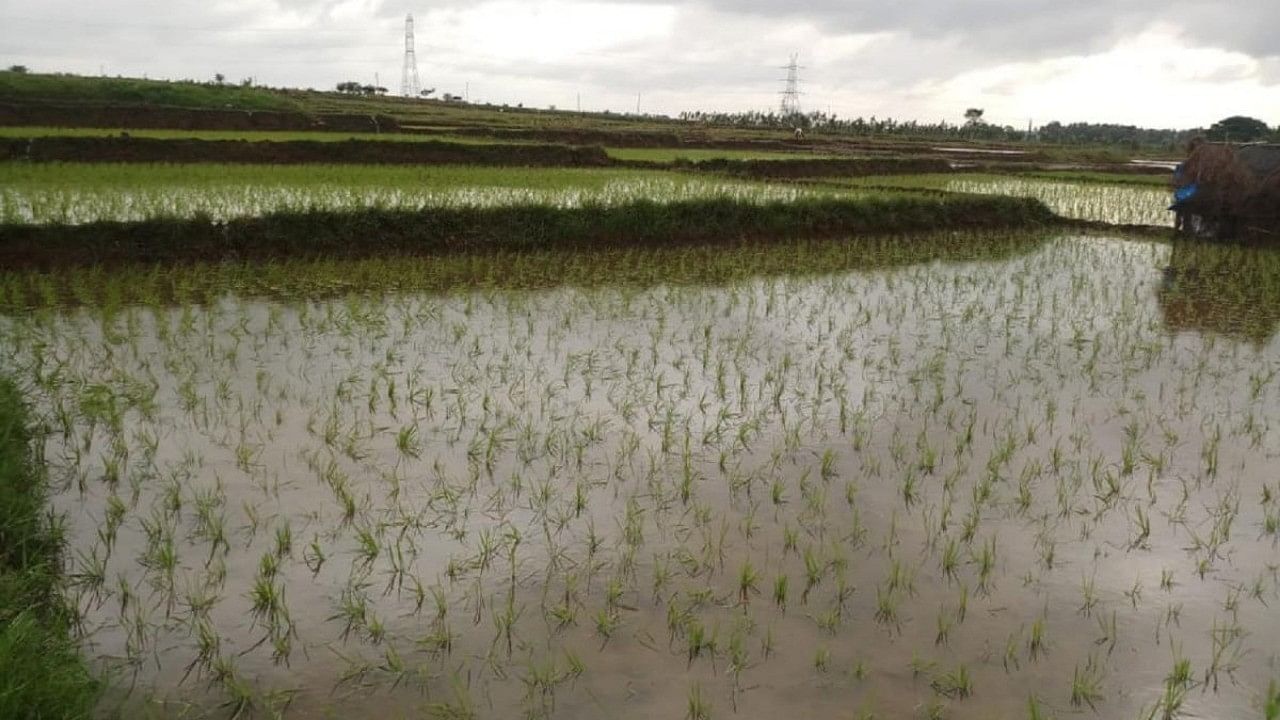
{"points": [[370, 232]]}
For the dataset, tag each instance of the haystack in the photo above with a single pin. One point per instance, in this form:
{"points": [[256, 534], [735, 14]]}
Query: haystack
{"points": [[1262, 213], [1238, 189]]}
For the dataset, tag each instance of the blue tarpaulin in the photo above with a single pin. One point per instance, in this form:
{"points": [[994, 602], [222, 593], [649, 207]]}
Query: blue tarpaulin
{"points": [[1183, 194]]}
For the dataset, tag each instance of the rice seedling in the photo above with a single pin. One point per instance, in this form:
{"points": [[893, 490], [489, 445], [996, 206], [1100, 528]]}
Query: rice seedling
{"points": [[954, 684], [822, 659], [1176, 685], [1036, 646], [780, 592], [1088, 595], [698, 707], [1086, 684], [1107, 632]]}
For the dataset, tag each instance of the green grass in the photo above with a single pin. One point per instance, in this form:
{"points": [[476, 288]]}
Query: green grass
{"points": [[41, 672], [35, 87]]}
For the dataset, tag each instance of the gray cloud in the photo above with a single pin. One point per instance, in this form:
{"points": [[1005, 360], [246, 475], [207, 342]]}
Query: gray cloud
{"points": [[1032, 29], [721, 54]]}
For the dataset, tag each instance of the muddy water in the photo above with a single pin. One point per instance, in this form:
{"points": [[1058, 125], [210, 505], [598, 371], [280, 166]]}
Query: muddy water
{"points": [[998, 476]]}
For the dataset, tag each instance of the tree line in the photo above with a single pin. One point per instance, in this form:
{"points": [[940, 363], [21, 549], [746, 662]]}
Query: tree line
{"points": [[1234, 129]]}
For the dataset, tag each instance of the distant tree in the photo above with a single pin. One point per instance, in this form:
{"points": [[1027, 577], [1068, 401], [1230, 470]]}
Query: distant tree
{"points": [[973, 116], [219, 78], [351, 87], [1239, 128], [428, 92], [20, 69]]}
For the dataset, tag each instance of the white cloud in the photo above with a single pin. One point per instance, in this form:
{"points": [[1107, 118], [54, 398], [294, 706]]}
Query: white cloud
{"points": [[1154, 79]]}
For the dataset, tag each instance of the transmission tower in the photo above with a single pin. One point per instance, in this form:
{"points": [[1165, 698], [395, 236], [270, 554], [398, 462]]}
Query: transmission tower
{"points": [[791, 96], [410, 86]]}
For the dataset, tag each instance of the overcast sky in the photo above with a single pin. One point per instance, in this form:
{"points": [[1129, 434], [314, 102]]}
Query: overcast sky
{"points": [[1171, 63]]}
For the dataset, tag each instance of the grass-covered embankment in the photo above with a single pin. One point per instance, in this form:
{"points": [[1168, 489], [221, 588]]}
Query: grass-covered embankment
{"points": [[370, 232], [41, 88], [42, 675], [190, 150], [25, 132]]}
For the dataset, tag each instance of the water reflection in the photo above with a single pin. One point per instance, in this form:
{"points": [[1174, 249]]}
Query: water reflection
{"points": [[1227, 290]]}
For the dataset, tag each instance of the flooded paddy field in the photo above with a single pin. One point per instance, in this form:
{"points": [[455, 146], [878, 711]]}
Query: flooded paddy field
{"points": [[977, 477]]}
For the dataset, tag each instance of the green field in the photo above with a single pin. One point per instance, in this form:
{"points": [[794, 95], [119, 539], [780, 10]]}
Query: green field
{"points": [[1074, 195], [666, 155]]}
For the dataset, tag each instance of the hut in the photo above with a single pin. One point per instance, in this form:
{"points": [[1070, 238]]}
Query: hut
{"points": [[1229, 191]]}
